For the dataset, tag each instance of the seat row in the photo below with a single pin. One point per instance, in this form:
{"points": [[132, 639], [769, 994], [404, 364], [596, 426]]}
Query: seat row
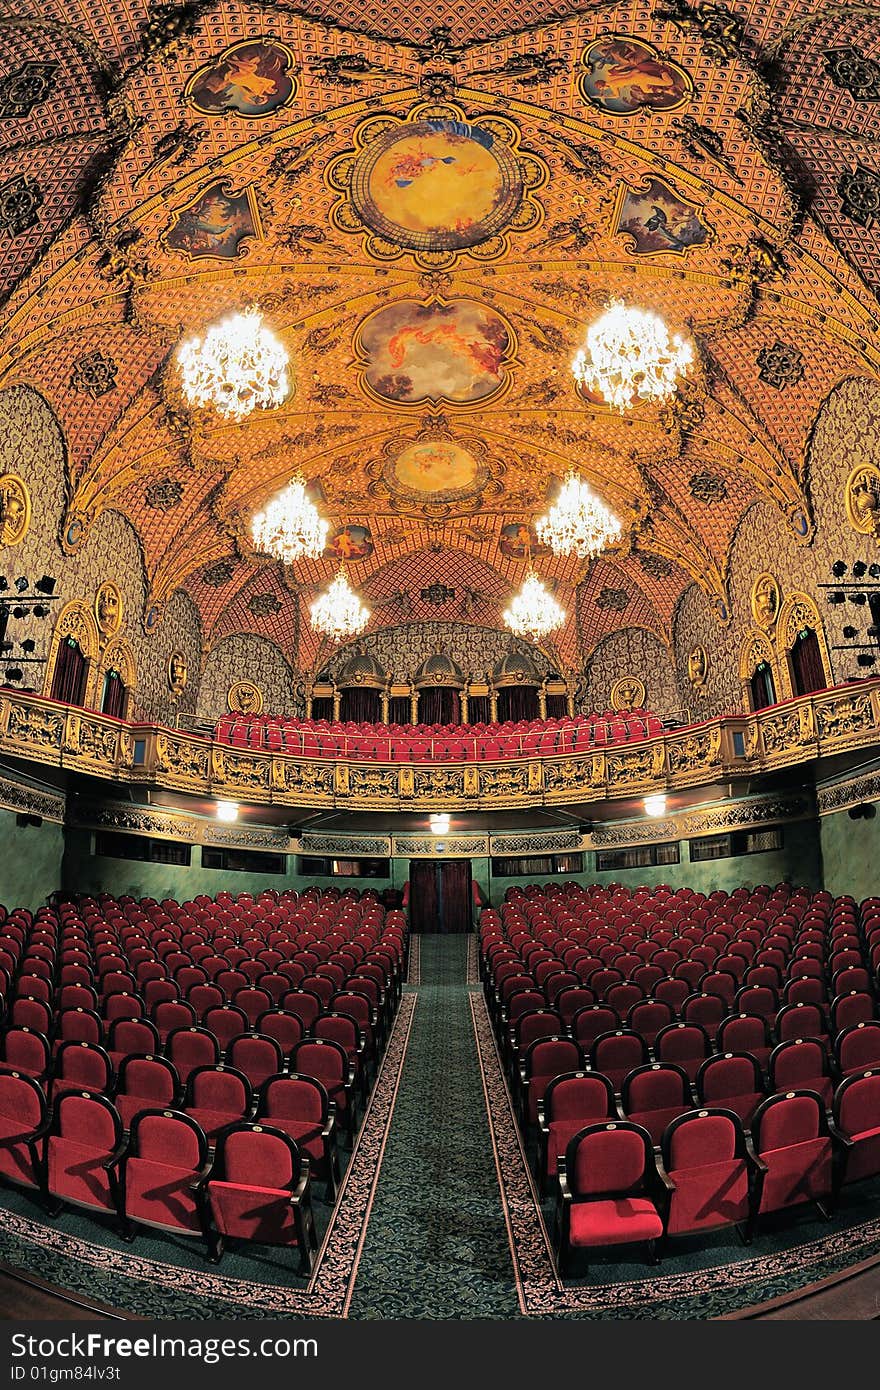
{"points": [[615, 1187], [254, 1184], [427, 742]]}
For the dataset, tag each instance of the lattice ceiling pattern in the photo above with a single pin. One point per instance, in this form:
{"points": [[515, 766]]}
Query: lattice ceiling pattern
{"points": [[160, 166]]}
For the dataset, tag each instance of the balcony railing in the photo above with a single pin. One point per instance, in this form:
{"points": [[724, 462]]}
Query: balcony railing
{"points": [[814, 726]]}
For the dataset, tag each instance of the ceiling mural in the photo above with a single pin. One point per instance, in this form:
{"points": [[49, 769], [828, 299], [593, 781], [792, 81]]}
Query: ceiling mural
{"points": [[429, 205]]}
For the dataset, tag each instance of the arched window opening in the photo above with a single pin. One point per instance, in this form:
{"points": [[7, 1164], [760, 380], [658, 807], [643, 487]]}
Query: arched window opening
{"points": [[763, 687], [70, 673], [113, 695], [807, 670]]}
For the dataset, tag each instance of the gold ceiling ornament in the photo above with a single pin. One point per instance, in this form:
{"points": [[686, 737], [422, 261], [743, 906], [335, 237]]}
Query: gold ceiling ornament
{"points": [[628, 693], [578, 522], [434, 183], [244, 698], [15, 509], [698, 667], [629, 356], [238, 367], [533, 612], [108, 609], [177, 673], [290, 527], [765, 600], [862, 499], [338, 613]]}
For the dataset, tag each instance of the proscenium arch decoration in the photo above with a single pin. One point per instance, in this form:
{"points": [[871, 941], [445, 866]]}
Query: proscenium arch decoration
{"points": [[76, 620], [798, 612], [756, 647]]}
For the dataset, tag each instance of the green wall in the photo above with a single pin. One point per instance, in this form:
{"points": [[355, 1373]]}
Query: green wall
{"points": [[30, 861], [850, 854]]}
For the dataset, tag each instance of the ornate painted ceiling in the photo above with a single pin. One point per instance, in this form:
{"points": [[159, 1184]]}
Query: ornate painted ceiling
{"points": [[429, 202]]}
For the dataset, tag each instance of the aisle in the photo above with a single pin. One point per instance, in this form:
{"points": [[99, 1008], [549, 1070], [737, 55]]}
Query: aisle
{"points": [[436, 1245]]}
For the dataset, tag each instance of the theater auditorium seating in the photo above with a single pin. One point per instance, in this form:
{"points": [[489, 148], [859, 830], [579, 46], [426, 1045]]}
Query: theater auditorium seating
{"points": [[321, 738], [726, 1050], [118, 1110]]}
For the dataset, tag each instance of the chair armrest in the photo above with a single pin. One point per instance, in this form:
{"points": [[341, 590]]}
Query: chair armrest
{"points": [[302, 1186], [759, 1163], [351, 1076], [843, 1139], [117, 1154], [202, 1176], [562, 1176], [662, 1174]]}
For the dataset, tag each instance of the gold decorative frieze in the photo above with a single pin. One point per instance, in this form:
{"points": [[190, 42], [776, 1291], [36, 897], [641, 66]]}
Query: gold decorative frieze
{"points": [[819, 725]]}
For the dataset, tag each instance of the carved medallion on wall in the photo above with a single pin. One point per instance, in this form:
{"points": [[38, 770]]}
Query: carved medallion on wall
{"points": [[15, 509], [244, 698], [698, 668], [108, 609], [862, 499], [177, 673], [434, 183], [628, 693], [765, 600]]}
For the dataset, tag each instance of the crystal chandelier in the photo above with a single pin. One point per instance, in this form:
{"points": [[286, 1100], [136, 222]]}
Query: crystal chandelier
{"points": [[237, 367], [338, 613], [533, 612], [630, 356], [578, 522], [290, 528]]}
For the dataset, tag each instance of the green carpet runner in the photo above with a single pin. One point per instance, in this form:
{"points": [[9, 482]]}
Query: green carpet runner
{"points": [[436, 1243]]}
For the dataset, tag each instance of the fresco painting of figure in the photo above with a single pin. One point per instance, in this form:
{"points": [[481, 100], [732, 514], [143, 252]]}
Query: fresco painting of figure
{"points": [[252, 79], [435, 352], [624, 75]]}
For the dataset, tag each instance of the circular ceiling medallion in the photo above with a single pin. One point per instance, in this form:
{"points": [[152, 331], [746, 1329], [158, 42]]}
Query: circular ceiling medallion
{"points": [[437, 185], [435, 468]]}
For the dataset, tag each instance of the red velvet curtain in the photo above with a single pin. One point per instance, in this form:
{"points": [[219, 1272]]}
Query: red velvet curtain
{"points": [[517, 702], [456, 900], [479, 709], [557, 706], [763, 688], [438, 704], [113, 701], [424, 903], [69, 676], [361, 706], [399, 710], [322, 709], [806, 663]]}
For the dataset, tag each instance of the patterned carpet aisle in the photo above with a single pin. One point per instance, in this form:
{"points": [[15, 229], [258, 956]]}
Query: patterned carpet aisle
{"points": [[436, 1245]]}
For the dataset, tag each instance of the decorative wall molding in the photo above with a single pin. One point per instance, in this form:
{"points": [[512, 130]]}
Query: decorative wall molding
{"points": [[841, 795], [372, 846], [171, 825], [555, 842], [629, 832], [440, 846], [32, 801], [737, 815]]}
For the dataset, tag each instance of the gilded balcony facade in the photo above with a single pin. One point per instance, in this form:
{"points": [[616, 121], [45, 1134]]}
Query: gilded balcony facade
{"points": [[821, 725]]}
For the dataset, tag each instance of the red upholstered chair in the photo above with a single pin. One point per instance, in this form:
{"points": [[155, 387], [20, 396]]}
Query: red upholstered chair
{"points": [[591, 1022], [605, 1182], [856, 1127], [143, 1084], [226, 1023], [801, 1064], [857, 1049], [260, 1191], [328, 1063], [170, 1015], [648, 1017], [128, 1037], [203, 997], [707, 1010], [81, 1066], [217, 1097], [791, 1145], [732, 1081], [300, 1106], [616, 1053], [361, 1009], [544, 1059], [28, 1012], [570, 1102], [673, 993], [189, 1048], [304, 1004], [685, 1044], [655, 1094], [286, 1028], [252, 1002], [163, 1175], [78, 1025], [24, 1125], [257, 1055], [705, 1169], [83, 1150], [27, 1052]]}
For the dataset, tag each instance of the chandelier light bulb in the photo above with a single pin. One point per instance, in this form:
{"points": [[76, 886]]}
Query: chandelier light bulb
{"points": [[533, 612], [578, 522], [338, 613], [237, 367], [291, 527], [629, 355]]}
